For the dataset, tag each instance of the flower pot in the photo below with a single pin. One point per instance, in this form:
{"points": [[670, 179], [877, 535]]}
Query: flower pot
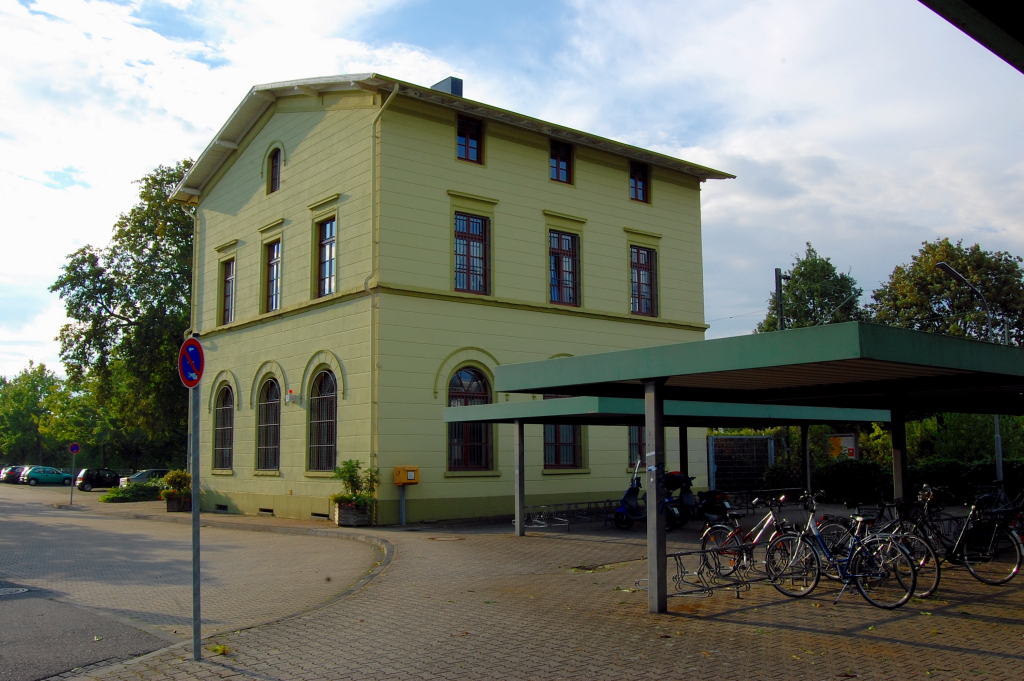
{"points": [[179, 504], [351, 516]]}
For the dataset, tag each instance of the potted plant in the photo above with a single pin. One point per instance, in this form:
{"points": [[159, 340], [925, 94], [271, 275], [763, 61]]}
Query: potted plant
{"points": [[177, 492], [352, 506]]}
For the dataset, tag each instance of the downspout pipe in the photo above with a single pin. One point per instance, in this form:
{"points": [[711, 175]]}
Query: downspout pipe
{"points": [[374, 218]]}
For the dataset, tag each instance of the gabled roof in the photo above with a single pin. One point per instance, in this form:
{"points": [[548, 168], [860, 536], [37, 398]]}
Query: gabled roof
{"points": [[260, 97]]}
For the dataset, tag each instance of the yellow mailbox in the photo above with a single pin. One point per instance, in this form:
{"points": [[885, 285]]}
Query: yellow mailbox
{"points": [[407, 475]]}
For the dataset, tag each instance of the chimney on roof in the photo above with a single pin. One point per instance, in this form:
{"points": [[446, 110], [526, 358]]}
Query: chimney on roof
{"points": [[450, 85]]}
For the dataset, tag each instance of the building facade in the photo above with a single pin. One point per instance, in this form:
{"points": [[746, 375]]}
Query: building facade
{"points": [[368, 250]]}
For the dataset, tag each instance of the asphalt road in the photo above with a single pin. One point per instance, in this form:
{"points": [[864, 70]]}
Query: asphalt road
{"points": [[40, 637]]}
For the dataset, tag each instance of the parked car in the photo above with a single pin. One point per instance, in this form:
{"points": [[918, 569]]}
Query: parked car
{"points": [[147, 475], [12, 474], [88, 478], [44, 475]]}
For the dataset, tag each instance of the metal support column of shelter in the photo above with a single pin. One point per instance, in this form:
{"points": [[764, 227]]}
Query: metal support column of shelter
{"points": [[520, 493], [805, 447], [684, 453], [899, 453], [657, 560]]}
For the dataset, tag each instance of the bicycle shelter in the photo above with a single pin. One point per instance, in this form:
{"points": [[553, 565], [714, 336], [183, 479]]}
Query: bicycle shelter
{"points": [[842, 372]]}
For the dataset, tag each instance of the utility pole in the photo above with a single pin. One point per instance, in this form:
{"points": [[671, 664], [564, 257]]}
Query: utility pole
{"points": [[781, 324]]}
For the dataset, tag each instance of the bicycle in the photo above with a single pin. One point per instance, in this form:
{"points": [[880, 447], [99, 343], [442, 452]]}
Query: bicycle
{"points": [[983, 541], [880, 567], [729, 540]]}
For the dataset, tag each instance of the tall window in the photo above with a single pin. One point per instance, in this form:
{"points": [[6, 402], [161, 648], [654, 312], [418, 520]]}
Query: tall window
{"points": [[639, 182], [327, 232], [643, 272], [224, 430], [268, 435], [561, 162], [636, 444], [472, 254], [323, 423], [564, 267], [470, 445], [563, 446], [228, 303], [274, 170], [470, 140], [273, 276]]}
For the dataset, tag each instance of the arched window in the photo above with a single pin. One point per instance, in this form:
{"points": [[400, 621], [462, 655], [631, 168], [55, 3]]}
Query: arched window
{"points": [[224, 429], [323, 422], [274, 171], [470, 445], [268, 436]]}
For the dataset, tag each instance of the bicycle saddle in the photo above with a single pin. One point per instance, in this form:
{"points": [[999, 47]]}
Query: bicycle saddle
{"points": [[733, 514]]}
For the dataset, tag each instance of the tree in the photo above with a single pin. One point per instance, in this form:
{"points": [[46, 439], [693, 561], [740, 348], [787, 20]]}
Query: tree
{"points": [[130, 305], [921, 296], [22, 408], [813, 293]]}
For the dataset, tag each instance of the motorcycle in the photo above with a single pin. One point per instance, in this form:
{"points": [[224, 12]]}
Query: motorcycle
{"points": [[633, 507], [711, 506]]}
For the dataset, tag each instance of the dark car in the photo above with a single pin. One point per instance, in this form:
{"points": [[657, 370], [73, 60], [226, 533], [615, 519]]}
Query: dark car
{"points": [[88, 478], [11, 474]]}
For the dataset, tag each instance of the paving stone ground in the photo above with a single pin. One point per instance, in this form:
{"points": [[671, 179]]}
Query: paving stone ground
{"points": [[474, 602]]}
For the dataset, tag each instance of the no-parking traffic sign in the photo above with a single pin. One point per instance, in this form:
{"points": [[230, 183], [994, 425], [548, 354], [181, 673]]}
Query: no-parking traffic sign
{"points": [[191, 363], [74, 448]]}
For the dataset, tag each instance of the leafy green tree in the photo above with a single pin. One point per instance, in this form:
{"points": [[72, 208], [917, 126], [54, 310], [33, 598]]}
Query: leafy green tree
{"points": [[22, 409], [921, 296], [813, 293], [129, 303]]}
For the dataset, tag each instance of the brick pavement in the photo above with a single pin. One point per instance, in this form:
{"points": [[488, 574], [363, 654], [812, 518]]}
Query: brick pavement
{"points": [[477, 603], [141, 571]]}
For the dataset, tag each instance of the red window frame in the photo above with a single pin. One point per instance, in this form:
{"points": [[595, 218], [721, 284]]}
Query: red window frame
{"points": [[561, 162], [327, 232], [564, 268], [228, 300], [563, 446], [470, 444], [643, 274], [469, 143], [472, 254], [275, 170], [639, 182], [273, 301]]}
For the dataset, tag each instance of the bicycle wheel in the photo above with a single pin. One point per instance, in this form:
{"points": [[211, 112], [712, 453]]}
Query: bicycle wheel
{"points": [[991, 553], [926, 562], [725, 541], [793, 565], [883, 572], [837, 537]]}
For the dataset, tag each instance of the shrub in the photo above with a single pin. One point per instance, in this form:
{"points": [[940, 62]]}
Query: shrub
{"points": [[359, 486], [179, 481], [853, 482], [132, 492], [782, 476]]}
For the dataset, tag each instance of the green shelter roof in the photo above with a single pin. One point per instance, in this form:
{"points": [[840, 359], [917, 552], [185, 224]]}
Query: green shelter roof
{"points": [[851, 365], [610, 411]]}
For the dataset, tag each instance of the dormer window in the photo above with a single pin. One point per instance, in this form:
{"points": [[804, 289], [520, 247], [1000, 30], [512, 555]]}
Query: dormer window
{"points": [[274, 171], [470, 143]]}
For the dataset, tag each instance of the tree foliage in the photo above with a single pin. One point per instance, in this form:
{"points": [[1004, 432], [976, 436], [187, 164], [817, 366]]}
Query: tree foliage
{"points": [[22, 411], [813, 293], [923, 297], [129, 303]]}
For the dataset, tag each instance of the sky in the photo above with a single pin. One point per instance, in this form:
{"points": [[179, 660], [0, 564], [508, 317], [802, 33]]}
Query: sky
{"points": [[862, 126]]}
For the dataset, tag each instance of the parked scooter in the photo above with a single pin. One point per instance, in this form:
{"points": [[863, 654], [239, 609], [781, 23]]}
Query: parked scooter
{"points": [[633, 507], [711, 506]]}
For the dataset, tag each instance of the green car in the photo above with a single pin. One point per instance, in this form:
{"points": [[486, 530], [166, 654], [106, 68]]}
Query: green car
{"points": [[44, 475]]}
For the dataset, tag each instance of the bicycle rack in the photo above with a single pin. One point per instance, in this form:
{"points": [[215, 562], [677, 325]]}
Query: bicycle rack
{"points": [[712, 573]]}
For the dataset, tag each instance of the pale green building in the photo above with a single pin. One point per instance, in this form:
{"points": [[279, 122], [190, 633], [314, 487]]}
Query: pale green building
{"points": [[368, 250]]}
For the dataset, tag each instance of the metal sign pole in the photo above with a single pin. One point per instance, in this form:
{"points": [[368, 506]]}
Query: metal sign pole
{"points": [[193, 446], [73, 476]]}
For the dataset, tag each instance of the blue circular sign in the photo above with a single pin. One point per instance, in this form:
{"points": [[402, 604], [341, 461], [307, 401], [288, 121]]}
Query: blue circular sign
{"points": [[74, 448], [191, 363]]}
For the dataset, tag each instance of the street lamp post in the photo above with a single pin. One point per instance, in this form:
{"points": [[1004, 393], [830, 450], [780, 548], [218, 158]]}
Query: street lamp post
{"points": [[948, 269]]}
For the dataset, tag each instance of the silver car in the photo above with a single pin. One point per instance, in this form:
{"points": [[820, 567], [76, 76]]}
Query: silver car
{"points": [[147, 475]]}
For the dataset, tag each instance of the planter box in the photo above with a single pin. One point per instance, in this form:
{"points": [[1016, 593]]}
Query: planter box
{"points": [[179, 504], [349, 516]]}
